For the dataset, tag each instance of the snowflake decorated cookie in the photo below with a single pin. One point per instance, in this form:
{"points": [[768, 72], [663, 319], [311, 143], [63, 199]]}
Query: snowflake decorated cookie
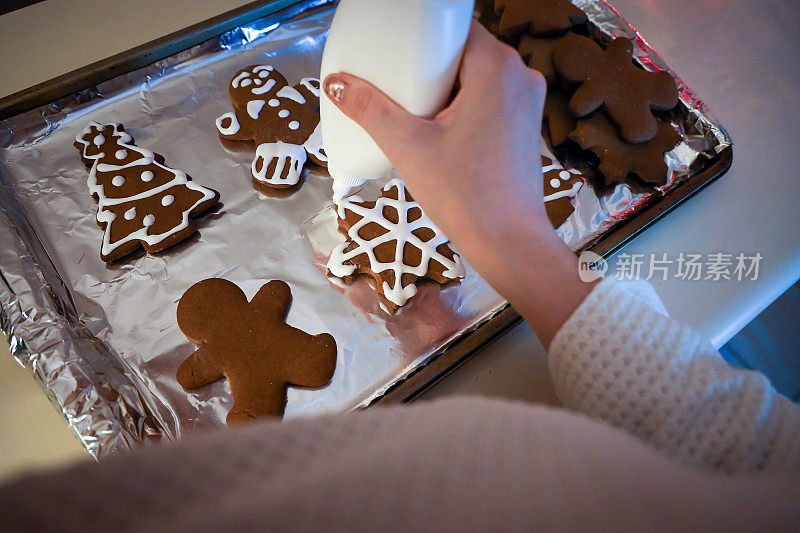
{"points": [[140, 201], [282, 121], [394, 242]]}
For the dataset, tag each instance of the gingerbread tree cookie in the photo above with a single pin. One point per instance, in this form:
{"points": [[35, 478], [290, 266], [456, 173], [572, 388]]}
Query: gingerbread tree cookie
{"points": [[560, 187], [140, 201], [392, 241], [282, 121], [609, 80], [250, 345], [618, 159], [537, 17]]}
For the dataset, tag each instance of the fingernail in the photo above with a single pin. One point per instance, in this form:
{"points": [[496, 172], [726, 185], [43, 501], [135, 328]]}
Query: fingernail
{"points": [[335, 88]]}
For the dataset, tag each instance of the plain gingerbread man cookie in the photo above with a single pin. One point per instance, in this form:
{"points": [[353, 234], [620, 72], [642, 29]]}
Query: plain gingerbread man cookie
{"points": [[537, 17], [251, 345], [611, 81]]}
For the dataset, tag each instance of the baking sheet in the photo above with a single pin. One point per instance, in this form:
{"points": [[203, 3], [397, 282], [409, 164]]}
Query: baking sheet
{"points": [[103, 338]]}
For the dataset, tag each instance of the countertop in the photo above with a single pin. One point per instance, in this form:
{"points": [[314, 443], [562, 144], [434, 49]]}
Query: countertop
{"points": [[733, 53]]}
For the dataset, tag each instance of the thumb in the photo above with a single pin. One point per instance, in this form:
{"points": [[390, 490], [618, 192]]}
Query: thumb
{"points": [[386, 121]]}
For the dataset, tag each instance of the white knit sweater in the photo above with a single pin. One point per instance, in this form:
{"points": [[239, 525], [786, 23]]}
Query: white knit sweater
{"points": [[470, 464], [621, 359]]}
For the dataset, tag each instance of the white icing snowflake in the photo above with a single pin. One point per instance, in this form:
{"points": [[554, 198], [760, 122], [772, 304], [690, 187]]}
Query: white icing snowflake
{"points": [[402, 233]]}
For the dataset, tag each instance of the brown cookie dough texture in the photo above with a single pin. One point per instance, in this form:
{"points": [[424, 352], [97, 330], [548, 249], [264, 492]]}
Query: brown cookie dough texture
{"points": [[537, 17], [250, 345], [619, 159], [140, 202], [395, 243], [537, 53], [282, 121], [561, 186], [609, 80], [558, 122]]}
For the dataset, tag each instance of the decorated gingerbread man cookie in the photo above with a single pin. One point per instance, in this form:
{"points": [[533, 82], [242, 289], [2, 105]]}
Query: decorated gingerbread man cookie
{"points": [[251, 345], [537, 17], [140, 202], [392, 241], [561, 186], [609, 80], [282, 121]]}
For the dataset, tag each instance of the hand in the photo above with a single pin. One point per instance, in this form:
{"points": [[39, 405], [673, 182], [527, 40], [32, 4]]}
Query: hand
{"points": [[476, 170]]}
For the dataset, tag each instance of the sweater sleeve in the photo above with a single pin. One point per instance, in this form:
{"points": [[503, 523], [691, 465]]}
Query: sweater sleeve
{"points": [[621, 359]]}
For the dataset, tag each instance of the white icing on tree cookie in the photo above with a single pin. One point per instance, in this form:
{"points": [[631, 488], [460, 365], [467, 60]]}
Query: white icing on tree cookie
{"points": [[154, 180]]}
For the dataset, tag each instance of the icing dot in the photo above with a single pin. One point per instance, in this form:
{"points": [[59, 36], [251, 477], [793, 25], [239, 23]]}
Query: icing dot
{"points": [[293, 125], [167, 200], [258, 81], [149, 220], [130, 214], [283, 113], [121, 154], [99, 140], [274, 102], [147, 176], [564, 175], [554, 183], [263, 74], [246, 82], [118, 181]]}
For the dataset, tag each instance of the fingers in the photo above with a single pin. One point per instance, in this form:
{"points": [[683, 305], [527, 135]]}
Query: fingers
{"points": [[388, 123]]}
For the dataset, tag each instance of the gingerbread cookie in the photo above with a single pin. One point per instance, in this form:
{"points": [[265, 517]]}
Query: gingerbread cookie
{"points": [[140, 202], [537, 17], [609, 80], [281, 120], [250, 345], [619, 159], [537, 53], [560, 187], [557, 120], [393, 241]]}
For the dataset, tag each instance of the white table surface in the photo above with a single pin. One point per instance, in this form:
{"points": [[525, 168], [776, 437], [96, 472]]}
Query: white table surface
{"points": [[741, 56]]}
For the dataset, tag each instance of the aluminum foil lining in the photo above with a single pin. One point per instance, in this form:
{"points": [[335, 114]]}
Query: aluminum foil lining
{"points": [[103, 340]]}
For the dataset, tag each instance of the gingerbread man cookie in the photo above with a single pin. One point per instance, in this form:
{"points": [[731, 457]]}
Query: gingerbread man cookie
{"points": [[561, 185], [537, 53], [393, 241], [609, 80], [250, 345], [618, 159], [140, 202], [283, 121], [537, 17]]}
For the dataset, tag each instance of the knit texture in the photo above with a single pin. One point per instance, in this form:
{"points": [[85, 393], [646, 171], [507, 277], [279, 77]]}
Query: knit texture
{"points": [[455, 465], [620, 359]]}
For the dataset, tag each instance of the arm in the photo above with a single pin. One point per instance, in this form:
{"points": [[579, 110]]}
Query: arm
{"points": [[619, 358], [473, 169]]}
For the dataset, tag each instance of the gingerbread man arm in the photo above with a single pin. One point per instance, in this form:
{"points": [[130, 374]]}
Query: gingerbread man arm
{"points": [[272, 301], [232, 128], [199, 369], [313, 362]]}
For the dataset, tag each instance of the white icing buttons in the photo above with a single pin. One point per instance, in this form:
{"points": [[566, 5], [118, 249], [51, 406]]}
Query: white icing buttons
{"points": [[293, 125], [564, 175], [149, 220], [283, 113], [167, 200], [147, 176], [130, 214], [121, 154], [99, 140], [274, 102], [118, 181], [554, 183]]}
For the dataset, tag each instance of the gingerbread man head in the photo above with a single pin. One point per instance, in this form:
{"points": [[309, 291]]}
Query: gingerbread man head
{"points": [[250, 344]]}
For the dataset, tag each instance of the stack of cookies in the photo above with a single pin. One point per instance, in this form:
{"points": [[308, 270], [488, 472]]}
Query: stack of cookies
{"points": [[598, 99]]}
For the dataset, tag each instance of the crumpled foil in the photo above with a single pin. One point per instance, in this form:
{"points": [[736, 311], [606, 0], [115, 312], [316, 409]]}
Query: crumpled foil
{"points": [[103, 339]]}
